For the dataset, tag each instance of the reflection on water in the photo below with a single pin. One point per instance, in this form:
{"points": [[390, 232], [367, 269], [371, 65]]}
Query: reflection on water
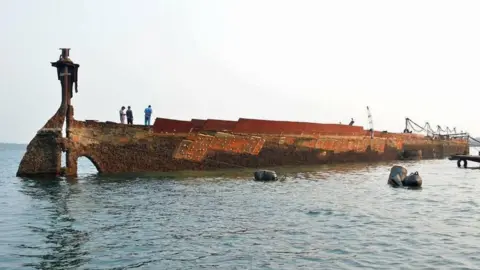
{"points": [[324, 217], [63, 243]]}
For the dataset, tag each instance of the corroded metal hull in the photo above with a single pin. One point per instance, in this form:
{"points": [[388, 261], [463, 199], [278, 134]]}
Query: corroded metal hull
{"points": [[174, 145]]}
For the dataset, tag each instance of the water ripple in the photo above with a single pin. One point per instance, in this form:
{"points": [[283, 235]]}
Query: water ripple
{"points": [[328, 217]]}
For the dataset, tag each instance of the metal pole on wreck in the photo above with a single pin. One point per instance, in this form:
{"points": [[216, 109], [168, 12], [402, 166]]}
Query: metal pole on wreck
{"points": [[67, 74], [66, 99], [43, 155]]}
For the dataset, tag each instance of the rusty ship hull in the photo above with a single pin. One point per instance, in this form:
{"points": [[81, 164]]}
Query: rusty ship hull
{"points": [[173, 145], [210, 144]]}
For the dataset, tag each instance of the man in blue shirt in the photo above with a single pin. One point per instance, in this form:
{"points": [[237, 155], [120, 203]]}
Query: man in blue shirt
{"points": [[148, 114]]}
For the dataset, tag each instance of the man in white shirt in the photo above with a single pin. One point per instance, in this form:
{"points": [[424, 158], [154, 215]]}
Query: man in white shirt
{"points": [[122, 115]]}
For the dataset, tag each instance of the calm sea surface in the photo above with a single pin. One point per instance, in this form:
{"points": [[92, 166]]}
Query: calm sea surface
{"points": [[337, 217]]}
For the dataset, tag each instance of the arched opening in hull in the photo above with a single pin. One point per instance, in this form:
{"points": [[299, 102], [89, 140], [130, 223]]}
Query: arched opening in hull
{"points": [[86, 165]]}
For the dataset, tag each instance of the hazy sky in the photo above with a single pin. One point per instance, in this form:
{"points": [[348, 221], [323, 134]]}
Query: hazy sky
{"points": [[321, 61]]}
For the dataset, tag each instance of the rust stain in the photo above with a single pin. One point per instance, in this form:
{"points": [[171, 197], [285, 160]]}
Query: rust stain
{"points": [[171, 145]]}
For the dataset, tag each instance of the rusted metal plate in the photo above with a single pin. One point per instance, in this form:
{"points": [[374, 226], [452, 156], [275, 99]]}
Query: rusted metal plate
{"points": [[172, 126], [254, 126], [199, 145], [218, 125]]}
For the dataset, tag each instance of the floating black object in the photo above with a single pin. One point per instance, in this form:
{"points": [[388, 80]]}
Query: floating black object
{"points": [[398, 178], [265, 175], [413, 180]]}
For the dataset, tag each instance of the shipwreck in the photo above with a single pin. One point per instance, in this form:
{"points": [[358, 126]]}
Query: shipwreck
{"points": [[209, 144]]}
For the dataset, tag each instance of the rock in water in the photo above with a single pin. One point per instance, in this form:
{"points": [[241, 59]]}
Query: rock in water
{"points": [[413, 180], [265, 175], [397, 175]]}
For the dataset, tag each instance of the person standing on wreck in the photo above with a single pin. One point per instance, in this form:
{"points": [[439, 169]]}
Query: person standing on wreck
{"points": [[129, 116], [148, 114], [122, 115], [351, 122]]}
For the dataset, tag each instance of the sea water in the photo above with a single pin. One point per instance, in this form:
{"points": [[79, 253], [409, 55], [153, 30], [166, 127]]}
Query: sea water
{"points": [[324, 217]]}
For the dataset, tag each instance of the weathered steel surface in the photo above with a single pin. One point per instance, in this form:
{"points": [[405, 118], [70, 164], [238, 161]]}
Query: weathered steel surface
{"points": [[121, 148], [43, 155], [196, 147], [197, 124], [172, 126], [286, 127], [172, 145], [218, 125]]}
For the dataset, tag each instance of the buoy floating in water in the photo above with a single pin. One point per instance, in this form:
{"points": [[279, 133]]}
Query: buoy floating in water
{"points": [[265, 175], [398, 178], [413, 180]]}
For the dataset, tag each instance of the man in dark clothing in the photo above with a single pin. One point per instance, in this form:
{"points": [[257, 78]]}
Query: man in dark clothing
{"points": [[129, 116]]}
